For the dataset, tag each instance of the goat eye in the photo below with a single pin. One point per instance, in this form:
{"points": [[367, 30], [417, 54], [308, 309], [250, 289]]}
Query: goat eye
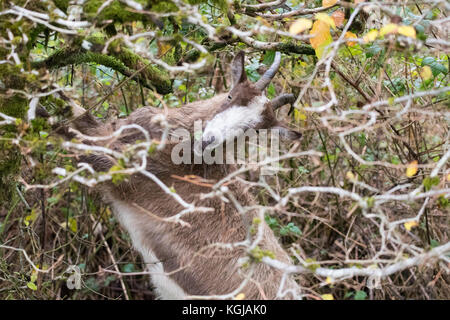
{"points": [[230, 97]]}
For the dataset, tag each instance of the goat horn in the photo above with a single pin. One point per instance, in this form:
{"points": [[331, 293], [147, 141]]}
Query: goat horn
{"points": [[270, 73], [282, 99]]}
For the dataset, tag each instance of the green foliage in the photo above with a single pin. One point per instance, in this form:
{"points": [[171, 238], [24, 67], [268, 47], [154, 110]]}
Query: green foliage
{"points": [[436, 67], [357, 295], [116, 11], [257, 253], [290, 228], [429, 182]]}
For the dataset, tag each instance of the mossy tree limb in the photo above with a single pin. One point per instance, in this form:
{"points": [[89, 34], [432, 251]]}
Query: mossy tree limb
{"points": [[123, 61]]}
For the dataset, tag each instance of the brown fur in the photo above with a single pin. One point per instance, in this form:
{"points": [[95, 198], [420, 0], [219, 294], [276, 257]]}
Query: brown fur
{"points": [[184, 251]]}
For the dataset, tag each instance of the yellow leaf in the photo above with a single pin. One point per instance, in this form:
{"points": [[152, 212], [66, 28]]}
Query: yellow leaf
{"points": [[350, 176], [327, 296], [370, 36], [321, 38], [411, 170], [389, 28], [448, 177], [338, 17], [312, 264], [264, 21], [300, 25], [410, 224], [163, 47], [407, 31], [325, 18], [108, 212], [329, 280], [30, 218], [73, 224], [299, 116], [240, 296], [350, 35], [328, 3], [426, 73]]}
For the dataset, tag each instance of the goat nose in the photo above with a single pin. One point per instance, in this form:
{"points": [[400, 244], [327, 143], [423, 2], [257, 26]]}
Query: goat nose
{"points": [[207, 142]]}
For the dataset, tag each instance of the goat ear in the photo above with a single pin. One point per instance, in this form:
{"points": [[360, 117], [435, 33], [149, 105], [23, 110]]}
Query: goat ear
{"points": [[237, 68], [286, 133]]}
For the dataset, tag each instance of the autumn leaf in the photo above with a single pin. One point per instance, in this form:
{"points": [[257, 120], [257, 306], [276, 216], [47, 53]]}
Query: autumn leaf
{"points": [[263, 21], [300, 25], [338, 16], [73, 224], [411, 170], [325, 18], [299, 116], [163, 47], [410, 224], [407, 31], [426, 73], [350, 35], [240, 296], [328, 3], [327, 297], [370, 36], [388, 29], [321, 38], [30, 218], [350, 176]]}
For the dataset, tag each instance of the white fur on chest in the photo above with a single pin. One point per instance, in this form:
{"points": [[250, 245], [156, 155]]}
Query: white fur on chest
{"points": [[166, 288]]}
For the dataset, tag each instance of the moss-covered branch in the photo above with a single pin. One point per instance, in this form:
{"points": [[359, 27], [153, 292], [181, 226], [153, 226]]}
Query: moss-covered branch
{"points": [[285, 47], [123, 61]]}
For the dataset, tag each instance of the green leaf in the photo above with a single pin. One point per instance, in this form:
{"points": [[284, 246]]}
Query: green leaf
{"points": [[271, 91], [395, 159], [294, 229], [252, 70], [129, 267], [434, 243], [373, 50], [360, 295], [271, 222], [269, 57], [429, 182], [348, 294], [435, 66], [302, 170], [32, 286], [52, 200]]}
